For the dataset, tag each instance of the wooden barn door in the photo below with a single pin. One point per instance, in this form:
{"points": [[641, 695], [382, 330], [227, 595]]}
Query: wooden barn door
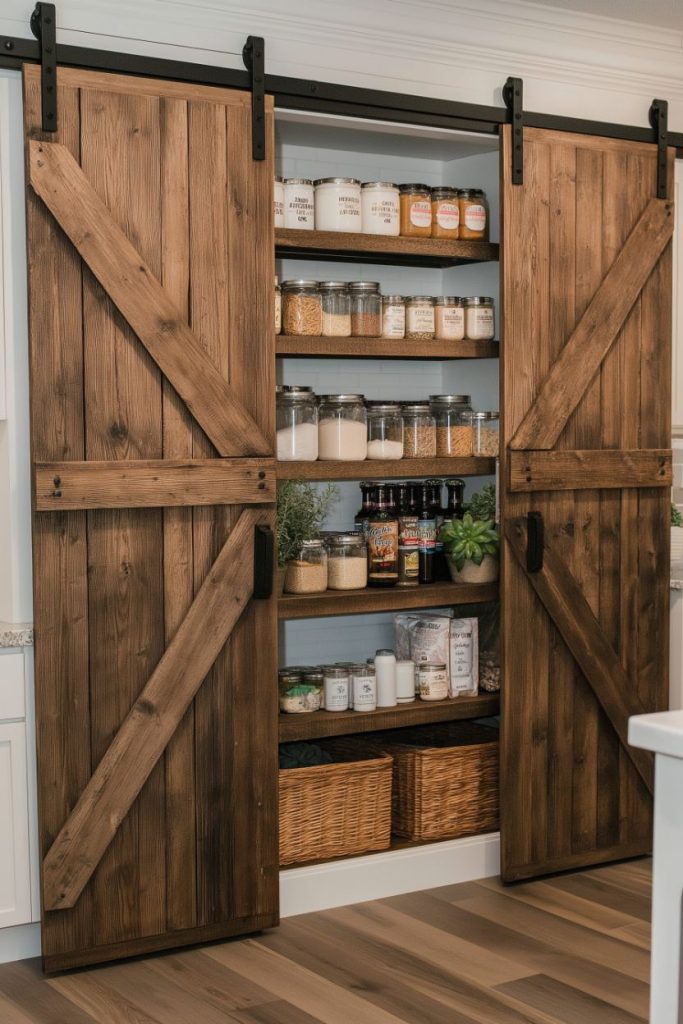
{"points": [[586, 377], [152, 390]]}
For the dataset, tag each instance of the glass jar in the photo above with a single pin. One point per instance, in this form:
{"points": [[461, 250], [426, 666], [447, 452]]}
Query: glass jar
{"points": [[479, 318], [432, 680], [366, 309], [342, 428], [297, 425], [485, 434], [449, 318], [301, 308], [385, 431], [416, 210], [420, 317], [278, 307], [364, 688], [393, 316], [307, 573], [473, 213], [300, 691], [336, 687], [445, 213], [347, 562], [453, 431], [419, 431], [336, 309], [337, 204], [299, 206], [380, 208], [279, 202]]}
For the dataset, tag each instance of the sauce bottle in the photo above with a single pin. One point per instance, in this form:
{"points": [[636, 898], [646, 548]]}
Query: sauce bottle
{"points": [[427, 535], [382, 536], [408, 537]]}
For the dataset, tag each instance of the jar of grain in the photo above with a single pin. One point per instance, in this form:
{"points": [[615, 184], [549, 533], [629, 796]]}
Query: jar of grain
{"points": [[445, 213], [420, 323], [336, 687], [279, 203], [337, 204], [278, 307], [307, 573], [453, 431], [473, 213], [385, 431], [432, 679], [301, 308], [380, 208], [416, 210], [299, 205], [342, 428], [336, 309], [347, 562], [366, 309], [297, 425], [393, 316], [449, 318], [485, 434], [300, 691], [479, 318], [419, 431]]}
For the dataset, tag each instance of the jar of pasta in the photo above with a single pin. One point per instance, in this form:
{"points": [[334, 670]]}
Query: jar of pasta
{"points": [[301, 308], [416, 210], [453, 430], [336, 309], [420, 317], [449, 317], [479, 319], [419, 431], [473, 213], [393, 316], [445, 213], [485, 433]]}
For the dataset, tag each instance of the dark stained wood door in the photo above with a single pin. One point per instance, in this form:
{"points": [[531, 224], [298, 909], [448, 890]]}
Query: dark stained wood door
{"points": [[586, 371], [150, 244]]}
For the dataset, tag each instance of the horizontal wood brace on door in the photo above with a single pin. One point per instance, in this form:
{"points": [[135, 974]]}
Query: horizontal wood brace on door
{"points": [[589, 470], [562, 598], [577, 364], [154, 483], [141, 299], [153, 719]]}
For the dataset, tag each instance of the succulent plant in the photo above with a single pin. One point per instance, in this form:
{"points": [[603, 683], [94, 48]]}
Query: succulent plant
{"points": [[483, 504], [469, 540]]}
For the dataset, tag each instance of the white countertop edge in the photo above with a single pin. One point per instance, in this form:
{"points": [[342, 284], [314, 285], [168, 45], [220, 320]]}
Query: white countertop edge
{"points": [[16, 634], [661, 732]]}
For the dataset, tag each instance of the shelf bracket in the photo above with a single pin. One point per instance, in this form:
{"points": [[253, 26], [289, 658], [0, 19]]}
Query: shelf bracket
{"points": [[513, 97], [253, 56], [659, 120], [44, 28]]}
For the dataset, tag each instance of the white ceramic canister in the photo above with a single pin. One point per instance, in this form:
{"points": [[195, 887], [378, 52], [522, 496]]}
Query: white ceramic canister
{"points": [[364, 686], [299, 203], [279, 203], [380, 208], [337, 204], [385, 669], [336, 688], [405, 681]]}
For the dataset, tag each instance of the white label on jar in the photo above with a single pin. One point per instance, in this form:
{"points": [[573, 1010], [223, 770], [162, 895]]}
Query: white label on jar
{"points": [[475, 217], [364, 693], [278, 312], [336, 694], [480, 323], [279, 204], [448, 216], [433, 685], [450, 322], [393, 321], [299, 211], [421, 213], [420, 319], [380, 213]]}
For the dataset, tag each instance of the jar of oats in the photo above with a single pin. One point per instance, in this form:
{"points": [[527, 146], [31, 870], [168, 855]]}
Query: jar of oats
{"points": [[419, 431], [453, 430], [420, 322], [485, 433], [301, 308], [336, 309], [416, 210]]}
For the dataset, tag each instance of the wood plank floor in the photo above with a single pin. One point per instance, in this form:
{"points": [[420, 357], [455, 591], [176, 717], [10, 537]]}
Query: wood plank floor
{"points": [[572, 949]]}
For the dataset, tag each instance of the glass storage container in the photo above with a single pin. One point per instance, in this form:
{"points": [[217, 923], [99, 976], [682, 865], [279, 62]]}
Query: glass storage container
{"points": [[300, 690], [416, 210], [473, 214], [279, 202], [336, 309], [445, 213], [278, 307], [337, 204], [393, 316], [301, 308], [453, 431], [307, 573], [420, 322], [363, 695], [297, 425], [449, 318], [479, 318], [419, 431], [485, 434], [299, 206], [336, 687], [342, 428], [380, 208], [385, 431], [347, 562], [366, 309], [432, 680]]}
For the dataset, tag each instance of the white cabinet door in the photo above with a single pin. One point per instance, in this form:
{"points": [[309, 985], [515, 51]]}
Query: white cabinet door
{"points": [[677, 323], [15, 881]]}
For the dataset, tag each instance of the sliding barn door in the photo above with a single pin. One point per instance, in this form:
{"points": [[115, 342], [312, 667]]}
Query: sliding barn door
{"points": [[586, 380], [152, 391]]}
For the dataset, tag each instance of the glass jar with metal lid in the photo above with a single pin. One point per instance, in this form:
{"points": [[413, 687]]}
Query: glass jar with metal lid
{"points": [[296, 411], [342, 428], [366, 309], [336, 687], [473, 213], [432, 680], [393, 316], [300, 690], [301, 308], [337, 204], [453, 431], [416, 210], [420, 323], [385, 430], [336, 309], [445, 212], [307, 573], [479, 318], [299, 206], [347, 562], [419, 431], [485, 433], [449, 318], [380, 208]]}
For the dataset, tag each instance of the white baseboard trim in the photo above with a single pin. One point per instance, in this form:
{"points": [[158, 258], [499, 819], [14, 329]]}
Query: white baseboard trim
{"points": [[19, 943], [359, 879]]}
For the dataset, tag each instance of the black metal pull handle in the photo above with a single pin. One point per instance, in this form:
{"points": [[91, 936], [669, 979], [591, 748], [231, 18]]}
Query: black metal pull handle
{"points": [[264, 557], [534, 542]]}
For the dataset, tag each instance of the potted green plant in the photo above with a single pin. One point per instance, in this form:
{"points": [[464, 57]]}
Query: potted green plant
{"points": [[301, 511], [676, 534], [472, 544]]}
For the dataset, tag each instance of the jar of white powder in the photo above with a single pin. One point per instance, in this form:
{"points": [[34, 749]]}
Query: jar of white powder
{"points": [[297, 425], [342, 428], [385, 431]]}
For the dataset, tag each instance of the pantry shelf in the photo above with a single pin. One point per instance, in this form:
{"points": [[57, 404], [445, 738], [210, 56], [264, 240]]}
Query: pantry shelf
{"points": [[386, 469], [341, 723], [389, 599], [384, 348], [361, 248]]}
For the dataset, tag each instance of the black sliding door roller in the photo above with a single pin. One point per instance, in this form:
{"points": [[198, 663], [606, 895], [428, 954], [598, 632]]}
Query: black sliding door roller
{"points": [[44, 28]]}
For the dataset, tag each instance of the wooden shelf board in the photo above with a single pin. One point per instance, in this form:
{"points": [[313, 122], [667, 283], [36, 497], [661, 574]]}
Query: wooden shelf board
{"points": [[319, 724], [361, 248], [356, 602], [384, 348], [385, 469]]}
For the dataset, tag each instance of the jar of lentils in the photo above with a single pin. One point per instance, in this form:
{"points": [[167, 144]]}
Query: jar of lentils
{"points": [[420, 323], [453, 429], [419, 431], [336, 309], [366, 309], [301, 308]]}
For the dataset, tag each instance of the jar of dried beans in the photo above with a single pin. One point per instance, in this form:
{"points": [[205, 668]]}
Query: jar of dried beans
{"points": [[336, 309], [473, 213], [445, 213], [301, 308], [449, 317], [307, 573], [347, 562], [366, 309], [420, 323], [416, 210], [453, 430], [419, 431], [485, 433]]}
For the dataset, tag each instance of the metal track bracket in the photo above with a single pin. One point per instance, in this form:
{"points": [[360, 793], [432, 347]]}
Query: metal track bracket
{"points": [[44, 28], [513, 97], [659, 119], [253, 56]]}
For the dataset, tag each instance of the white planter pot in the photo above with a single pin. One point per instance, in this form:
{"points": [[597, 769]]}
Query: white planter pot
{"points": [[487, 572]]}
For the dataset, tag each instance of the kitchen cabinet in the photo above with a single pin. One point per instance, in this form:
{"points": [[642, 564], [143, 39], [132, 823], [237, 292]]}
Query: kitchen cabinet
{"points": [[15, 849]]}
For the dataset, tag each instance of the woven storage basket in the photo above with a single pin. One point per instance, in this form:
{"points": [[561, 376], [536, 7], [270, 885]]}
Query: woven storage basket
{"points": [[445, 780], [336, 810]]}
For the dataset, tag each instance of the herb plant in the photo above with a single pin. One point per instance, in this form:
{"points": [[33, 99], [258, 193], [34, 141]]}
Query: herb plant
{"points": [[301, 511], [482, 507], [469, 539], [676, 517]]}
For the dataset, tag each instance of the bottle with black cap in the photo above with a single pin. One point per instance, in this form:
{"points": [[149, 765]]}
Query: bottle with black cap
{"points": [[382, 536], [427, 535]]}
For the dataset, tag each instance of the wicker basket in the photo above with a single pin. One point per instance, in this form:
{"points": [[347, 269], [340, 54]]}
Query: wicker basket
{"points": [[445, 781], [336, 810]]}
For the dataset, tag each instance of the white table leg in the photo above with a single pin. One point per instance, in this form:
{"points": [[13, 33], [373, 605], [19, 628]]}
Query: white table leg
{"points": [[666, 1005]]}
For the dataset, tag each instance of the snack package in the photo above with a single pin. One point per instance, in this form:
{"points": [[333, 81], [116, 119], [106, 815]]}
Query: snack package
{"points": [[464, 657], [421, 638]]}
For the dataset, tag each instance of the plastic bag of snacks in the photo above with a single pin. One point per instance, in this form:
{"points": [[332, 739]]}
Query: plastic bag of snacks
{"points": [[421, 638], [488, 616], [464, 657]]}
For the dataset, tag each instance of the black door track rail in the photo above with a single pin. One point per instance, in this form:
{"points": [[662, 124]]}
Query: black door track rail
{"points": [[659, 119], [44, 28], [513, 95], [253, 56]]}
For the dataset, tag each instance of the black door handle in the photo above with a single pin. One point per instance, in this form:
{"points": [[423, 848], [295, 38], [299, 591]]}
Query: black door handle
{"points": [[264, 556], [534, 542]]}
